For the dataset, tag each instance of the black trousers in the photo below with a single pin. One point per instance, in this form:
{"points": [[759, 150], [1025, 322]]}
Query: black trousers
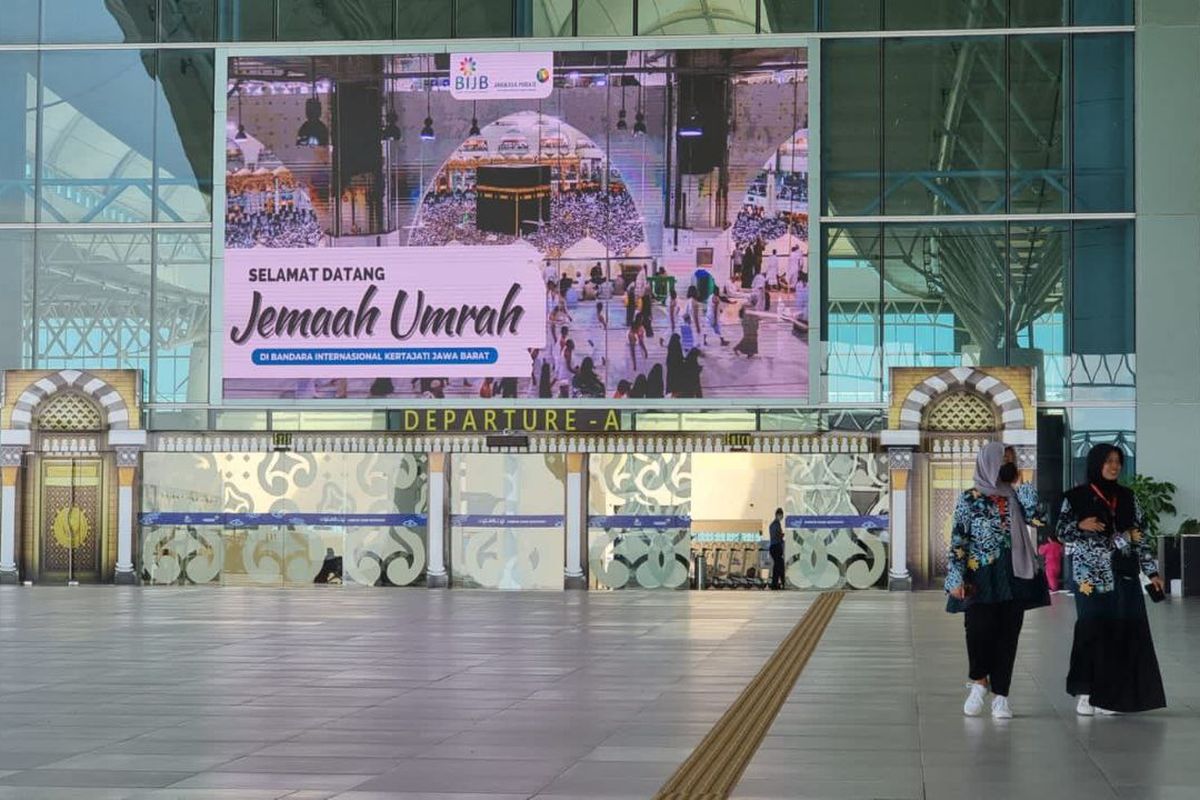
{"points": [[993, 630], [778, 577]]}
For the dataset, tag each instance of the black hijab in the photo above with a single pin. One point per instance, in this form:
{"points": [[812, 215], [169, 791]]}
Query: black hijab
{"points": [[1086, 498]]}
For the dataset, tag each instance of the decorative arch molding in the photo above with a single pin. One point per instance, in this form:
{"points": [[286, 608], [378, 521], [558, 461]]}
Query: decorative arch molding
{"points": [[912, 410], [112, 406]]}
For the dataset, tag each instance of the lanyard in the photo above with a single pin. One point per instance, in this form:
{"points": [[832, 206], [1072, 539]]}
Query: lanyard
{"points": [[1112, 504]]}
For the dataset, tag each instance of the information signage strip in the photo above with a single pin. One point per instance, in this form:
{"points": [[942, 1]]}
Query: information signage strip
{"points": [[833, 522], [655, 521], [253, 520], [507, 521]]}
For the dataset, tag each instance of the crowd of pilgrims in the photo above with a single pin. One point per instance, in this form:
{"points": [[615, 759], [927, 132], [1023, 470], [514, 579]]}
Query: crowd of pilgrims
{"points": [[286, 227], [753, 223], [611, 218]]}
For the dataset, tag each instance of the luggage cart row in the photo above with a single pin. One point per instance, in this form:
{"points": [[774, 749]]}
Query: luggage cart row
{"points": [[740, 565]]}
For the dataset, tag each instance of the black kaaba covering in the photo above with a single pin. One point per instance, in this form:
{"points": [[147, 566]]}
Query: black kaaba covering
{"points": [[508, 199]]}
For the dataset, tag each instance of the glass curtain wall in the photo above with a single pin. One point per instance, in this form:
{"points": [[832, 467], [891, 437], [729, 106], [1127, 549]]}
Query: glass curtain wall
{"points": [[147, 21], [1018, 128], [967, 294]]}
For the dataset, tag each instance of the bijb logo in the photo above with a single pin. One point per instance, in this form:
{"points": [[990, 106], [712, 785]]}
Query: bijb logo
{"points": [[466, 79]]}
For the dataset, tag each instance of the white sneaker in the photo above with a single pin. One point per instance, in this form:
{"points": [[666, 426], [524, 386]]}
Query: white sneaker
{"points": [[1000, 709], [1104, 712], [1084, 707], [973, 707]]}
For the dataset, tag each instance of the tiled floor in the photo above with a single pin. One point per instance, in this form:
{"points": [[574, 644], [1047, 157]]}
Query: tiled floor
{"points": [[167, 694]]}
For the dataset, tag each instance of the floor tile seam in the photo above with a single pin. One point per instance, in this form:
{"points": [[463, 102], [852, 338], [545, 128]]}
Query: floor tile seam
{"points": [[911, 631]]}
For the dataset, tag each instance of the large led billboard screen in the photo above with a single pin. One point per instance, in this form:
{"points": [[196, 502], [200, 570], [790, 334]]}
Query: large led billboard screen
{"points": [[591, 225]]}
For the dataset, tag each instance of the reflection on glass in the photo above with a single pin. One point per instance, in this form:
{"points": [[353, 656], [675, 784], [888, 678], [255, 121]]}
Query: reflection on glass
{"points": [[18, 134], [1037, 126], [363, 20], [1102, 311], [19, 22], [16, 302], [1038, 258], [1041, 13], [1103, 117], [852, 280], [190, 21], [928, 15], [851, 15], [697, 17], [481, 19], [553, 18], [945, 296], [247, 21], [851, 157], [93, 300], [788, 16], [183, 147], [424, 19], [75, 22], [182, 305], [97, 136], [507, 521], [1102, 12], [956, 89], [605, 17]]}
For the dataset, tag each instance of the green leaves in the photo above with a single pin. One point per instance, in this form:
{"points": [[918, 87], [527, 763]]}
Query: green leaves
{"points": [[1156, 499]]}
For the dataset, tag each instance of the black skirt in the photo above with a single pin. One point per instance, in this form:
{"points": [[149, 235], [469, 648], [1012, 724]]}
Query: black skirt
{"points": [[1113, 657]]}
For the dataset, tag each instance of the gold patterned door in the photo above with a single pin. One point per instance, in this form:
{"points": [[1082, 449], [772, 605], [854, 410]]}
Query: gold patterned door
{"points": [[70, 521], [946, 475], [955, 427]]}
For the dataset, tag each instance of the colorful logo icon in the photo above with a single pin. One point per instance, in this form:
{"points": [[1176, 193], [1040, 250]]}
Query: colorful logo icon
{"points": [[467, 67], [543, 75]]}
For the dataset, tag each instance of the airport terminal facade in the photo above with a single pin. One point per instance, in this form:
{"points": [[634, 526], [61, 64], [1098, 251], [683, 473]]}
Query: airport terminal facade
{"points": [[551, 294]]}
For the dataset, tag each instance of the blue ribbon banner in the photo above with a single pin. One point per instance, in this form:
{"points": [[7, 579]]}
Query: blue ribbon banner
{"points": [[506, 521], [373, 356], [249, 520], [656, 521], [834, 522]]}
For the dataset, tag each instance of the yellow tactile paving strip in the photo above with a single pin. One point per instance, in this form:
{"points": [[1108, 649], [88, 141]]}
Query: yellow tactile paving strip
{"points": [[716, 765]]}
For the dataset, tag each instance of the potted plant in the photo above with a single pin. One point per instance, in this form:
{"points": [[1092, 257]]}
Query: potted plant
{"points": [[1156, 499]]}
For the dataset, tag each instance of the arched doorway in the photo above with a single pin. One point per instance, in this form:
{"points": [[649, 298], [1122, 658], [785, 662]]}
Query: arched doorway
{"points": [[72, 530], [938, 422], [71, 443]]}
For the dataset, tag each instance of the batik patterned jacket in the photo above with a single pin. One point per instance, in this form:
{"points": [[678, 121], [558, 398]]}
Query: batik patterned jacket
{"points": [[1091, 553], [981, 536]]}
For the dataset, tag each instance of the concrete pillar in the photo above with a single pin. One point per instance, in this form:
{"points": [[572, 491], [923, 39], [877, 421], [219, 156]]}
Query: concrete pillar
{"points": [[8, 525], [128, 446], [576, 514], [12, 451], [900, 461], [436, 574]]}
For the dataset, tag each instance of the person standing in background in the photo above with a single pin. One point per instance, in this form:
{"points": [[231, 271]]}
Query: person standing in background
{"points": [[1051, 552], [778, 574]]}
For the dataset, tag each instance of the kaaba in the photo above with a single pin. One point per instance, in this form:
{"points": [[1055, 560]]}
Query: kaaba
{"points": [[508, 199]]}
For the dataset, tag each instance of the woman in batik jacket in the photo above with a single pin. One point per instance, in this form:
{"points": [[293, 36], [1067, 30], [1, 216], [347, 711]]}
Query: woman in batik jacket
{"points": [[993, 575], [1113, 666]]}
